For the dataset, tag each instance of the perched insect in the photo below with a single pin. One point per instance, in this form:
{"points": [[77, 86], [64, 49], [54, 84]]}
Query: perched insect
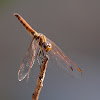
{"points": [[45, 45]]}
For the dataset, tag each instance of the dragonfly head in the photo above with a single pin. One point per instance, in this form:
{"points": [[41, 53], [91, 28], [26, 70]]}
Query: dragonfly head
{"points": [[46, 46]]}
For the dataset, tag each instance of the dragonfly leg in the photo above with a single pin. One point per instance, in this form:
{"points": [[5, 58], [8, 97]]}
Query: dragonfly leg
{"points": [[40, 56], [37, 56]]}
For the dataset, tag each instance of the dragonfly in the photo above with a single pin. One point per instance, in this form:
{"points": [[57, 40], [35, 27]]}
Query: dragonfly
{"points": [[45, 46]]}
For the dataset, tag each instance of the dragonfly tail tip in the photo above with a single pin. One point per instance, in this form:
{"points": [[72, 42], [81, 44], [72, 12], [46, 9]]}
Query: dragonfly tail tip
{"points": [[16, 14]]}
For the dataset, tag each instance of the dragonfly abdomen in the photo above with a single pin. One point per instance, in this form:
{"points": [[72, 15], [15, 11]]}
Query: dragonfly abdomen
{"points": [[26, 25]]}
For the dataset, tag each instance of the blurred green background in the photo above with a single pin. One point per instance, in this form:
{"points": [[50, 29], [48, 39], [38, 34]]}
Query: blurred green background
{"points": [[74, 25]]}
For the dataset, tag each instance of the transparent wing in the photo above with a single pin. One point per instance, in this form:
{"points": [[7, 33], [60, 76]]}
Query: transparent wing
{"points": [[62, 60], [28, 61]]}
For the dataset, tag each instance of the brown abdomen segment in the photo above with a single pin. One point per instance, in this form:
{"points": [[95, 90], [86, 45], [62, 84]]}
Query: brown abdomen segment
{"points": [[25, 24]]}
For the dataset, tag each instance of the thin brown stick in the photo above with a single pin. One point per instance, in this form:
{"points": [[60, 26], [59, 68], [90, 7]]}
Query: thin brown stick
{"points": [[40, 79]]}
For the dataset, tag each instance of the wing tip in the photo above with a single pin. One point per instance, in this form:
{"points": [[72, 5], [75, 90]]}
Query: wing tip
{"points": [[20, 78], [71, 68], [79, 70]]}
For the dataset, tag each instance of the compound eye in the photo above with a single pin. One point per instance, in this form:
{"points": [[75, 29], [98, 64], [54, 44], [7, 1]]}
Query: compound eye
{"points": [[49, 45]]}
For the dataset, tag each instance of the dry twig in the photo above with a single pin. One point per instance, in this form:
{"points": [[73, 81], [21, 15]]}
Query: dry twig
{"points": [[40, 79]]}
